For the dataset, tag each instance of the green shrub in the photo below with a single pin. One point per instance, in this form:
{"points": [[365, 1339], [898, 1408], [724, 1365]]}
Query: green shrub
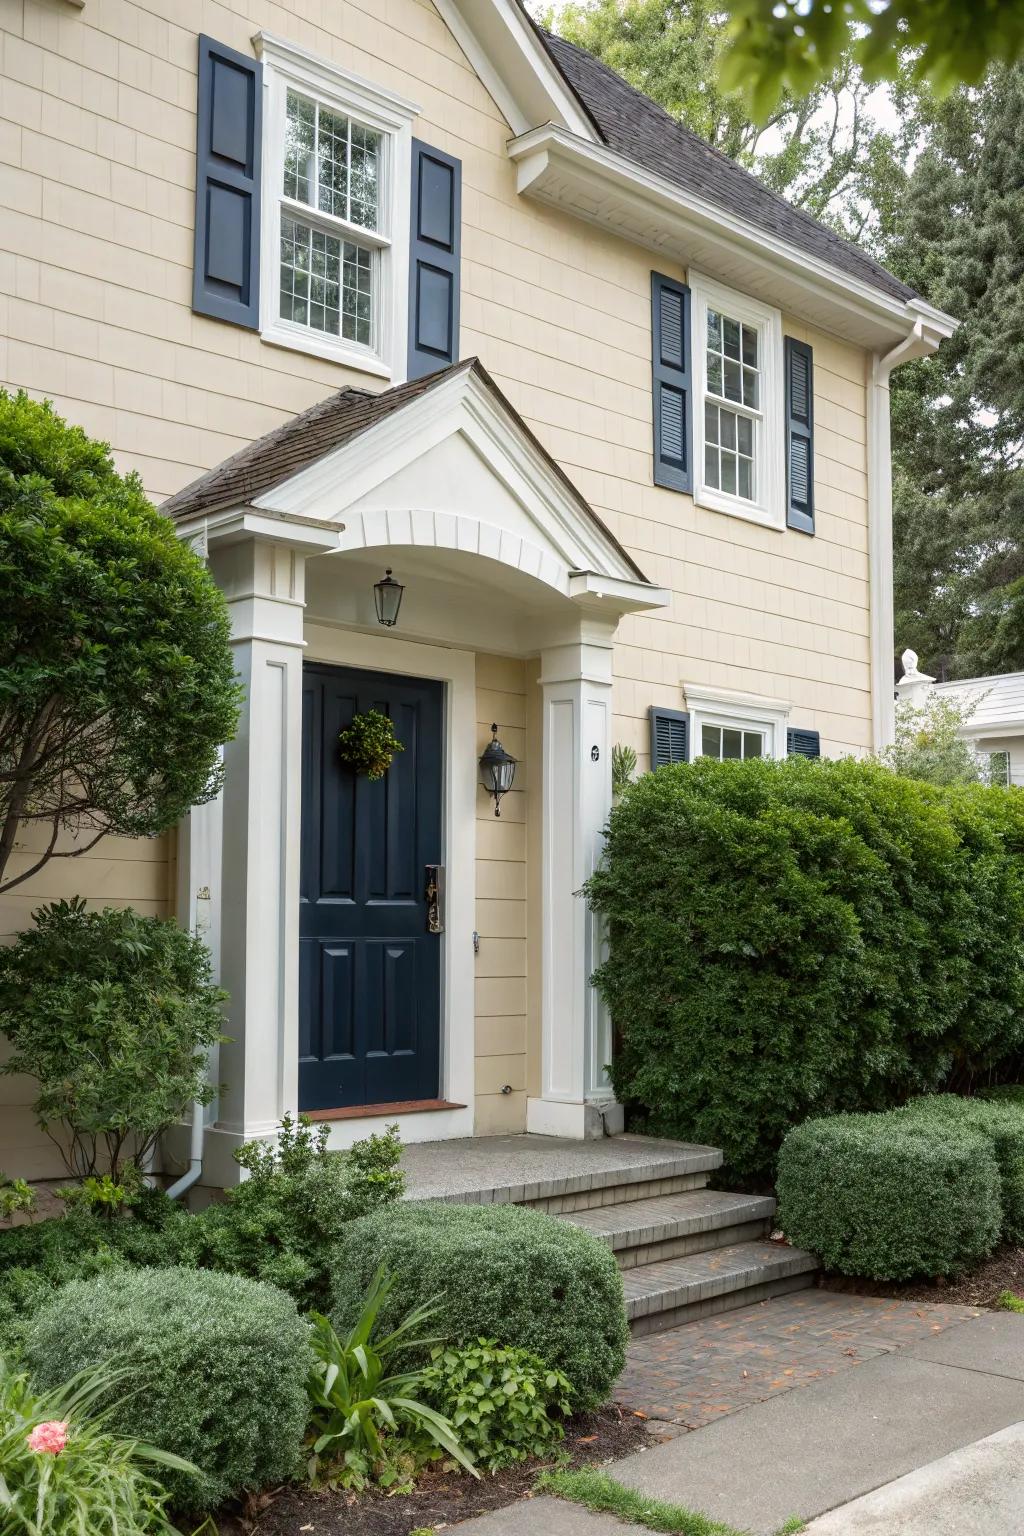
{"points": [[890, 1196], [798, 938], [116, 672], [1002, 1125], [284, 1222], [62, 1472], [1005, 1093], [114, 1015], [499, 1272], [504, 1403], [215, 1370]]}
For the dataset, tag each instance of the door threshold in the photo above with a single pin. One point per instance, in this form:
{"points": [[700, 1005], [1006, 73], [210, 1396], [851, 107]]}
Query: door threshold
{"points": [[379, 1111]]}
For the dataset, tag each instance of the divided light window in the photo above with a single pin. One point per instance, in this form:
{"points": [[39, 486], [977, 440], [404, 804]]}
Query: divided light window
{"points": [[731, 406], [331, 236], [730, 744]]}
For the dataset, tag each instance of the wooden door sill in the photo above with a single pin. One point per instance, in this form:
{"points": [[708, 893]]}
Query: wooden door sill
{"points": [[375, 1111]]}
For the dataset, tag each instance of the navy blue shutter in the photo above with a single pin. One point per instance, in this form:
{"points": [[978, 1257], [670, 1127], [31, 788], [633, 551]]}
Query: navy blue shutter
{"points": [[670, 736], [229, 137], [803, 743], [799, 436], [673, 425], [434, 260]]}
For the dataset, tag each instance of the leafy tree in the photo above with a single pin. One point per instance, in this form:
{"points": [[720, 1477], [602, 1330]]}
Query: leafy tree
{"points": [[929, 745], [958, 419], [821, 147], [116, 678], [780, 46]]}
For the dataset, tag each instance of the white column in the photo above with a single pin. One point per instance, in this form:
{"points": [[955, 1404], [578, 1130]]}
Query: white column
{"points": [[576, 789], [259, 899]]}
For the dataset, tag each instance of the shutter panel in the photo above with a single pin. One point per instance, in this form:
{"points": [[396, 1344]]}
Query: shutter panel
{"points": [[434, 260], [803, 743], [673, 426], [670, 736], [229, 141], [799, 436]]}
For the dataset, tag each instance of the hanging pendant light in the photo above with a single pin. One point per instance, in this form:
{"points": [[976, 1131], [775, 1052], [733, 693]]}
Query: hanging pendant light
{"points": [[387, 595]]}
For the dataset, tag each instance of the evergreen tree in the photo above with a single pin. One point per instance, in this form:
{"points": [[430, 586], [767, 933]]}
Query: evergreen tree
{"points": [[958, 419]]}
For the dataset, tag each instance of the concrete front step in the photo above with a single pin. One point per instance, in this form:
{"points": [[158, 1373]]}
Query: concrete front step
{"points": [[662, 1295], [555, 1175], [646, 1231]]}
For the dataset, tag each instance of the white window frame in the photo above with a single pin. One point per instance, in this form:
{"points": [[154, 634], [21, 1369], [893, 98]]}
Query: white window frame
{"points": [[736, 711], [769, 505], [286, 66]]}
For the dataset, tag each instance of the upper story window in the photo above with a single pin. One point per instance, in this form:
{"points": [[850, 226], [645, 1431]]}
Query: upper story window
{"points": [[335, 246], [739, 461]]}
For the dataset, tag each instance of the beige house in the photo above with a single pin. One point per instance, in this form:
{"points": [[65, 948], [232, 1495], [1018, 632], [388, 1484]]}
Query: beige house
{"points": [[416, 287]]}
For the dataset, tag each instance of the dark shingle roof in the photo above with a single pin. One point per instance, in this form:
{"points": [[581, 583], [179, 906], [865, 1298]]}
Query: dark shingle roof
{"points": [[272, 459], [637, 128], [269, 460]]}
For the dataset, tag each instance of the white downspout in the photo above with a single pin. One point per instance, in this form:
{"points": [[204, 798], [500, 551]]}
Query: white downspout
{"points": [[883, 713], [195, 1150]]}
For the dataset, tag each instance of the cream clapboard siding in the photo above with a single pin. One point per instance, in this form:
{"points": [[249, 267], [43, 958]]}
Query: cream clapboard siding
{"points": [[118, 872], [97, 171], [501, 971]]}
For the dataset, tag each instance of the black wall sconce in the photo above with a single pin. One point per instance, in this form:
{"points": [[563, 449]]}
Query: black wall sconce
{"points": [[387, 595], [497, 769]]}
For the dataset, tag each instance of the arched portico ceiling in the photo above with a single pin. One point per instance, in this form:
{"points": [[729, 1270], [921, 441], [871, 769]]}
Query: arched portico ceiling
{"points": [[444, 463]]}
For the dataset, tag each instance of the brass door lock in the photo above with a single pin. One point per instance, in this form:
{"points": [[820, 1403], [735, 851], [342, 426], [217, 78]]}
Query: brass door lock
{"points": [[434, 896]]}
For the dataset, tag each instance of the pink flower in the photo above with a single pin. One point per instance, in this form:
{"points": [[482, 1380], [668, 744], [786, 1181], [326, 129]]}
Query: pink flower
{"points": [[49, 1438]]}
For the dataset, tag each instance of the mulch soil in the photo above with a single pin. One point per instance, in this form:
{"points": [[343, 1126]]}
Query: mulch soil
{"points": [[439, 1498], [1004, 1271]]}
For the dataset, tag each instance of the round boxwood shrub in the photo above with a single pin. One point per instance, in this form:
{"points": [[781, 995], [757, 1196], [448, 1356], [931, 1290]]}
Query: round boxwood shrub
{"points": [[500, 1272], [890, 1196], [216, 1366], [1002, 1125]]}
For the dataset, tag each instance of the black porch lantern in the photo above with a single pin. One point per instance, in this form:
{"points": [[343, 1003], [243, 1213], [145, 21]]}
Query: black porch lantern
{"points": [[387, 594], [497, 769]]}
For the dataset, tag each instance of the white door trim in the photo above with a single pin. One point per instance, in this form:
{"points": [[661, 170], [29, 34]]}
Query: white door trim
{"points": [[341, 647]]}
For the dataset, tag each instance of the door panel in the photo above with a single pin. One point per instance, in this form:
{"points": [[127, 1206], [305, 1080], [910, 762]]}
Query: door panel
{"points": [[370, 976]]}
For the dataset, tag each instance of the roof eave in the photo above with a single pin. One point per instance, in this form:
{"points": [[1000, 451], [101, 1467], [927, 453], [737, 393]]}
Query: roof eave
{"points": [[599, 185]]}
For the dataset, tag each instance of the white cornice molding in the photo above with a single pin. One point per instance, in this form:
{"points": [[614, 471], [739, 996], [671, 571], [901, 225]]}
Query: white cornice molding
{"points": [[513, 64], [321, 74], [583, 177]]}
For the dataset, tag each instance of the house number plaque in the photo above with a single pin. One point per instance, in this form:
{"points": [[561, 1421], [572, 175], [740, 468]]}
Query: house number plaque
{"points": [[434, 894]]}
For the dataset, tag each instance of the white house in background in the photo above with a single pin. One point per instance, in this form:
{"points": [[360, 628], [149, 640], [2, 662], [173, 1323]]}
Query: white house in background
{"points": [[418, 286], [995, 724]]}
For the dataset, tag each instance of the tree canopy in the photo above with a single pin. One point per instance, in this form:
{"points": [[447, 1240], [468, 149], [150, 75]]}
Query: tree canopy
{"points": [[792, 46], [116, 678]]}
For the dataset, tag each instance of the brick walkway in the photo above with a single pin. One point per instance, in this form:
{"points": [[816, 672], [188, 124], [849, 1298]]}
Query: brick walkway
{"points": [[702, 1371]]}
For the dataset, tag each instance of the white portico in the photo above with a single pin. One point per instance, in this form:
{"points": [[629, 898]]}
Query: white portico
{"points": [[498, 553]]}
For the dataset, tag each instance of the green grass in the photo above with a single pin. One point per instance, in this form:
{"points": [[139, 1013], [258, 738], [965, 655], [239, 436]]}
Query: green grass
{"points": [[598, 1491], [1009, 1302]]}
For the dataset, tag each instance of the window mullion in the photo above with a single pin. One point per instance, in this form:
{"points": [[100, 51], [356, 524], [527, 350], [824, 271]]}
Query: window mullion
{"points": [[348, 170]]}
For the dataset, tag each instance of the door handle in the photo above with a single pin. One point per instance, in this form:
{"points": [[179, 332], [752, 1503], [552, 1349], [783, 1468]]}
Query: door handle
{"points": [[434, 895]]}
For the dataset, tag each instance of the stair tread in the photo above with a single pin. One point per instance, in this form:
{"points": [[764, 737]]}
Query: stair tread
{"points": [[672, 1282], [665, 1216]]}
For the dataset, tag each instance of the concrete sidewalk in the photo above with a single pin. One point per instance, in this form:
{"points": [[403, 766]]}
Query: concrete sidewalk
{"points": [[978, 1491], [810, 1451]]}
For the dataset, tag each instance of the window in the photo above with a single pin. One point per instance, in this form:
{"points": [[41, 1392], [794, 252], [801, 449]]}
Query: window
{"points": [[334, 266], [999, 769], [739, 419], [729, 743], [734, 726]]}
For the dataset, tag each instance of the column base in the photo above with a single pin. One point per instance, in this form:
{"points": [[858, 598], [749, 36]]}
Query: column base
{"points": [[577, 1121]]}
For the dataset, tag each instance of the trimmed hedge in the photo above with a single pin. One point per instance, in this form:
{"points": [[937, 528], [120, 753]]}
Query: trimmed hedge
{"points": [[890, 1196], [217, 1371], [799, 938], [1002, 1125], [500, 1272]]}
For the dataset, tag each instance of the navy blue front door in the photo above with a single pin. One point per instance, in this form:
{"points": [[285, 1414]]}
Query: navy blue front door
{"points": [[369, 970]]}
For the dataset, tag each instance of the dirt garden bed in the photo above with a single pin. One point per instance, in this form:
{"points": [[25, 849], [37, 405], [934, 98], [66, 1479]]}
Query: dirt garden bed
{"points": [[440, 1498], [1004, 1271]]}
